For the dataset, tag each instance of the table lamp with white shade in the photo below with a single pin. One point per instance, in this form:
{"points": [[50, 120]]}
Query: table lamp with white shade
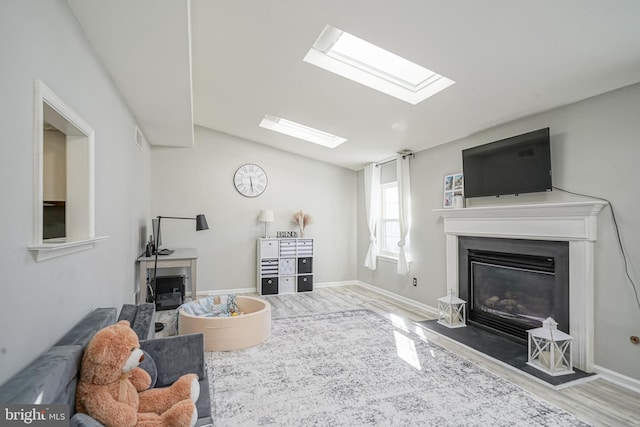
{"points": [[266, 215]]}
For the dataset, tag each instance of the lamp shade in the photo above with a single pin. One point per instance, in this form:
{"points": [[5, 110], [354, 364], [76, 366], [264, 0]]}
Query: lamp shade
{"points": [[265, 215], [201, 223]]}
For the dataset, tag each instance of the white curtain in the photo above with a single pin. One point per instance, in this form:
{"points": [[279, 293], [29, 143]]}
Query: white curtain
{"points": [[372, 208], [404, 199]]}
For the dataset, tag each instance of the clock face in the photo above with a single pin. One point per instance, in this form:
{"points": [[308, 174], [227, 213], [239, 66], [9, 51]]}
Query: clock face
{"points": [[250, 180]]}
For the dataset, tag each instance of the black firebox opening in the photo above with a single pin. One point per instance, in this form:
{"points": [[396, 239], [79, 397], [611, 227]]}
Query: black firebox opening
{"points": [[513, 285]]}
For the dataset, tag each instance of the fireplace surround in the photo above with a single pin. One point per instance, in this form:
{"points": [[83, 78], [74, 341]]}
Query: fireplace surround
{"points": [[571, 222]]}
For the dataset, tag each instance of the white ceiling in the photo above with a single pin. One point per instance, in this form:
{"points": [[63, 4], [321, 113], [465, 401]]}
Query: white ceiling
{"points": [[510, 59], [145, 47]]}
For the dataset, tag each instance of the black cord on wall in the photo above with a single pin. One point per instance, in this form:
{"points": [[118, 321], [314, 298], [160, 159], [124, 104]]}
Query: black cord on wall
{"points": [[615, 224]]}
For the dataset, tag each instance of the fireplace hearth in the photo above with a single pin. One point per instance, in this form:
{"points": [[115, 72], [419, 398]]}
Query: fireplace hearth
{"points": [[512, 285], [570, 222]]}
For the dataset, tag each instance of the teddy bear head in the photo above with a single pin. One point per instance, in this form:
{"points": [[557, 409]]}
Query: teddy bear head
{"points": [[112, 351]]}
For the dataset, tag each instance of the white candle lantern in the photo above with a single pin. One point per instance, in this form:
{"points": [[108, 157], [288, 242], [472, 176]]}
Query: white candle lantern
{"points": [[451, 311], [550, 349]]}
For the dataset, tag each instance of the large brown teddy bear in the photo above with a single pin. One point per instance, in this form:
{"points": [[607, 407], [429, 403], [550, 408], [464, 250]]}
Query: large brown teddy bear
{"points": [[115, 391]]}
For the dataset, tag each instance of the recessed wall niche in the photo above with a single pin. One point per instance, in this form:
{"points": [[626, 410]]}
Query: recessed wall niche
{"points": [[64, 195]]}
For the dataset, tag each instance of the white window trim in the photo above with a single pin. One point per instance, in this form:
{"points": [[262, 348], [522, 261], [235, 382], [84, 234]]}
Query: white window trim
{"points": [[45, 251], [86, 239], [388, 258]]}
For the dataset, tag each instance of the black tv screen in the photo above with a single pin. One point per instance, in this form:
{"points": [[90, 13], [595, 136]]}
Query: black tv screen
{"points": [[516, 165]]}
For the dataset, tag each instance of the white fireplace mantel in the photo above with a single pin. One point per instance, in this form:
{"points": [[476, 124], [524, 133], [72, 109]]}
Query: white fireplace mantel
{"points": [[574, 222]]}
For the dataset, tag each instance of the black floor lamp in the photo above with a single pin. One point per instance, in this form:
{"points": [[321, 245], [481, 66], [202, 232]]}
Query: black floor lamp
{"points": [[201, 224]]}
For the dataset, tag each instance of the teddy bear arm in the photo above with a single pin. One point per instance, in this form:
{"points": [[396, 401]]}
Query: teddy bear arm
{"points": [[105, 409], [140, 379]]}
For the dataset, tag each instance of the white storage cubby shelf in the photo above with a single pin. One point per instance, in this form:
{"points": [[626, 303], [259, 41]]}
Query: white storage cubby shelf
{"points": [[285, 265]]}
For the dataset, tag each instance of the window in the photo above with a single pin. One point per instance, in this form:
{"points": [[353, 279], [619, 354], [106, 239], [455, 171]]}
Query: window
{"points": [[389, 220], [64, 187]]}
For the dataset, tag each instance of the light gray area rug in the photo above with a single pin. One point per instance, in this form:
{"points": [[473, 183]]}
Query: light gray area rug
{"points": [[355, 368]]}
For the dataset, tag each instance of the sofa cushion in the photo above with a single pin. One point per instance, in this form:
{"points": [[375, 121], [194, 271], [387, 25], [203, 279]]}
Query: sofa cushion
{"points": [[144, 324], [83, 420], [179, 355], [140, 318], [204, 422], [86, 328], [128, 312], [50, 378], [176, 356]]}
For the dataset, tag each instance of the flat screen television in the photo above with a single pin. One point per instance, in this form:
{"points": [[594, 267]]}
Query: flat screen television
{"points": [[516, 165]]}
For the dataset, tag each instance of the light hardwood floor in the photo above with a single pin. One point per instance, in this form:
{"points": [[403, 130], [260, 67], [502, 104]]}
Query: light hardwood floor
{"points": [[598, 402]]}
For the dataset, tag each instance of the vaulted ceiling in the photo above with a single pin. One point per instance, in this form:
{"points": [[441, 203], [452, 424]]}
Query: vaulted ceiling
{"points": [[224, 64]]}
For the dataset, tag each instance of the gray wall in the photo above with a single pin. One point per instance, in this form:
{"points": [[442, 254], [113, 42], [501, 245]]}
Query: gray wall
{"points": [[200, 180], [40, 301], [595, 150]]}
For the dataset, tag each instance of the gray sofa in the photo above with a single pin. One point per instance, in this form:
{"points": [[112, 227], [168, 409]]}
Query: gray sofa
{"points": [[52, 377]]}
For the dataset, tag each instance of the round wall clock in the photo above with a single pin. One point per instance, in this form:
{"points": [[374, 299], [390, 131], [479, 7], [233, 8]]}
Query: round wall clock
{"points": [[250, 180]]}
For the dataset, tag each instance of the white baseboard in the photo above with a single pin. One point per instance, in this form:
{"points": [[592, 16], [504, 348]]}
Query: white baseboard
{"points": [[389, 294], [335, 284], [399, 298], [618, 378]]}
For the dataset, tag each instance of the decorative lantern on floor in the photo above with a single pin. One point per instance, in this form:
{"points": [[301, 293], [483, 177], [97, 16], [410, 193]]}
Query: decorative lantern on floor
{"points": [[550, 349], [451, 311]]}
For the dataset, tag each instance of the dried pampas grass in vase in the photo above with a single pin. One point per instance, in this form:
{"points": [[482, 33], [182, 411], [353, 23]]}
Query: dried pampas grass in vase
{"points": [[302, 220]]}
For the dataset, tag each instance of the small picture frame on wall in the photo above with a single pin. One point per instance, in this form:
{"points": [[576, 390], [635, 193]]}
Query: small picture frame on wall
{"points": [[453, 191]]}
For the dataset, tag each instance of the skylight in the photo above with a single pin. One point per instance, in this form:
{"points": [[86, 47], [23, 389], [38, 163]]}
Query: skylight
{"points": [[300, 131], [358, 60]]}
